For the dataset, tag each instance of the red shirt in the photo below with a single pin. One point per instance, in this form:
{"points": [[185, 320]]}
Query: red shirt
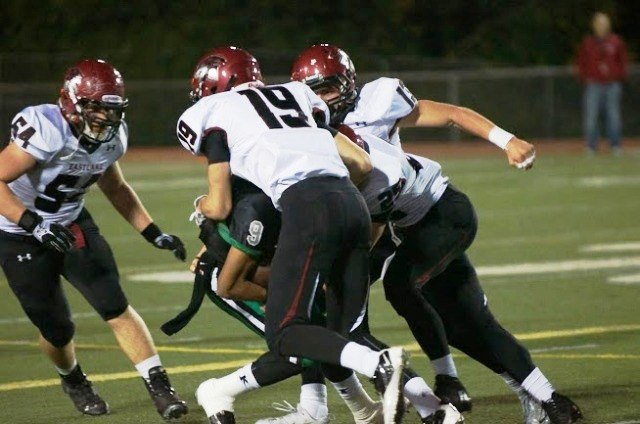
{"points": [[602, 59]]}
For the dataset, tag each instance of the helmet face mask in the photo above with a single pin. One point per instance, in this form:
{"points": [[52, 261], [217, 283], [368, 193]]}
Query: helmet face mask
{"points": [[92, 100], [221, 70], [101, 121]]}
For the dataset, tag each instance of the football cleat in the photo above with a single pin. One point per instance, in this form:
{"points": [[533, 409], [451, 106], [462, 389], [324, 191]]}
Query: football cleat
{"points": [[450, 390], [446, 414], [387, 379], [164, 397], [295, 415], [82, 394], [217, 405], [370, 415], [561, 409], [532, 409]]}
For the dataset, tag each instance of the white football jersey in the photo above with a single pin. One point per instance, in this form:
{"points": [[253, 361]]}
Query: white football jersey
{"points": [[55, 187], [380, 105], [271, 135], [386, 179], [423, 188]]}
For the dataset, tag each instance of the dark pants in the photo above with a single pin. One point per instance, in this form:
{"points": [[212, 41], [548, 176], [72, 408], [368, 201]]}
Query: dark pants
{"points": [[324, 239], [442, 235], [34, 271]]}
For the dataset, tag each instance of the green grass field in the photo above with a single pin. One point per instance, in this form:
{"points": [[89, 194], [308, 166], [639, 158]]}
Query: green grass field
{"points": [[547, 218]]}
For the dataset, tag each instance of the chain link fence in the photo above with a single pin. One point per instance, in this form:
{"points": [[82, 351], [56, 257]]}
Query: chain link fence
{"points": [[538, 102]]}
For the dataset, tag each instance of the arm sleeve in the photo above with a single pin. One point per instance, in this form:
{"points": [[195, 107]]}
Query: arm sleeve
{"points": [[215, 147]]}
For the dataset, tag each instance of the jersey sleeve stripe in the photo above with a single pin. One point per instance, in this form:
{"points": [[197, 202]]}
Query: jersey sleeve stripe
{"points": [[224, 232], [400, 91]]}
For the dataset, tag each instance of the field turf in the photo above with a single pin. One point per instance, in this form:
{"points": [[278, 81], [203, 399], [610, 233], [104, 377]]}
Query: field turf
{"points": [[558, 252]]}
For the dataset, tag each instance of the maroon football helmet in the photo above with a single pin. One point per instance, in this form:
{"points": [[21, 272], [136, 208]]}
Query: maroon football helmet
{"points": [[92, 99], [324, 66], [221, 69]]}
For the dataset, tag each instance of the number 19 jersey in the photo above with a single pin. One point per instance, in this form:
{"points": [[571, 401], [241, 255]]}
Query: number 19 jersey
{"points": [[271, 135], [64, 170]]}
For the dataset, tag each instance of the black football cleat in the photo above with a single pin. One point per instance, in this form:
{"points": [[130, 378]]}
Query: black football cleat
{"points": [[388, 381], [223, 417], [561, 409], [450, 390], [82, 394], [164, 397]]}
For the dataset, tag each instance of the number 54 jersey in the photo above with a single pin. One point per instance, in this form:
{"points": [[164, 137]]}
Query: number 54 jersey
{"points": [[64, 170], [270, 133]]}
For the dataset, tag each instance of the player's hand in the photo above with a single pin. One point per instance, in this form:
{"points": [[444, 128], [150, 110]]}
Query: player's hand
{"points": [[194, 264], [173, 243], [521, 154], [54, 236]]}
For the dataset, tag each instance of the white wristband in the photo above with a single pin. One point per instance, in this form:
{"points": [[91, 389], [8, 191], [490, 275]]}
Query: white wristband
{"points": [[500, 137]]}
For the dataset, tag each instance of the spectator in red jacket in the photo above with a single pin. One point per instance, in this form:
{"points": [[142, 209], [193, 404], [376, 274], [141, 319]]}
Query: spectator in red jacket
{"points": [[602, 66]]}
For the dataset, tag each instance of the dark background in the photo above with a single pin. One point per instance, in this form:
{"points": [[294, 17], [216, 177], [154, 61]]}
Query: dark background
{"points": [[160, 39], [446, 50]]}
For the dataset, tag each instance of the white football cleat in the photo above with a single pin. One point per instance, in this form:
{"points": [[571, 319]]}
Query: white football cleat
{"points": [[217, 405], [295, 415], [446, 414], [370, 415], [388, 380]]}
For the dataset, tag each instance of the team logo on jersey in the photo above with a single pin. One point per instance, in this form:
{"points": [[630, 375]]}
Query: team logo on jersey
{"points": [[255, 233], [25, 257]]}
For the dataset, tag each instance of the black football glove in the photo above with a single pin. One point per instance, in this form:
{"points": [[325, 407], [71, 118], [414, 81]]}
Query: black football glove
{"points": [[165, 241], [52, 235]]}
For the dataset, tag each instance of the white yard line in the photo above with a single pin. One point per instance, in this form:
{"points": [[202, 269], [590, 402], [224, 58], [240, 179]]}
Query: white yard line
{"points": [[528, 268], [603, 181], [629, 246], [625, 280], [91, 314], [563, 348]]}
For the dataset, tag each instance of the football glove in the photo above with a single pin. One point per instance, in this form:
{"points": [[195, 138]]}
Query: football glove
{"points": [[197, 216], [52, 235], [165, 241]]}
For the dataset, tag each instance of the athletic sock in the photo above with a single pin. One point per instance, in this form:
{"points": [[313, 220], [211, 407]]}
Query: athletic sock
{"points": [[73, 375], [66, 371], [238, 382], [537, 385], [421, 396], [360, 358], [143, 367], [353, 394], [313, 399], [445, 366]]}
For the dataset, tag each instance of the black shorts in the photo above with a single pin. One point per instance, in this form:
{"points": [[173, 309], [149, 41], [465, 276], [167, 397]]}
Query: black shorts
{"points": [[33, 273]]}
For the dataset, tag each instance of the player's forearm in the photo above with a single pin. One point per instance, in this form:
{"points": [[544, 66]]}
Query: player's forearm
{"points": [[472, 122], [125, 200], [10, 206], [241, 289]]}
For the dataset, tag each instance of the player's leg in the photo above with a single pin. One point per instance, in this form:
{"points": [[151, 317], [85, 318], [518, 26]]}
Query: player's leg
{"points": [[33, 273], [91, 268], [308, 247], [471, 327]]}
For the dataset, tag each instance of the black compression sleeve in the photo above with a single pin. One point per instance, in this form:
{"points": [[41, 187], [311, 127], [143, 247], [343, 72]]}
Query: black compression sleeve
{"points": [[215, 146]]}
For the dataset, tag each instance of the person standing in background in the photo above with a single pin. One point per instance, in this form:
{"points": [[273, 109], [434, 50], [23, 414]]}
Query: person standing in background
{"points": [[602, 66]]}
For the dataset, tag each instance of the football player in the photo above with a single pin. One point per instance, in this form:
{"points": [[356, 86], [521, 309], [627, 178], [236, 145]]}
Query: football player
{"points": [[268, 136], [55, 154], [436, 228]]}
